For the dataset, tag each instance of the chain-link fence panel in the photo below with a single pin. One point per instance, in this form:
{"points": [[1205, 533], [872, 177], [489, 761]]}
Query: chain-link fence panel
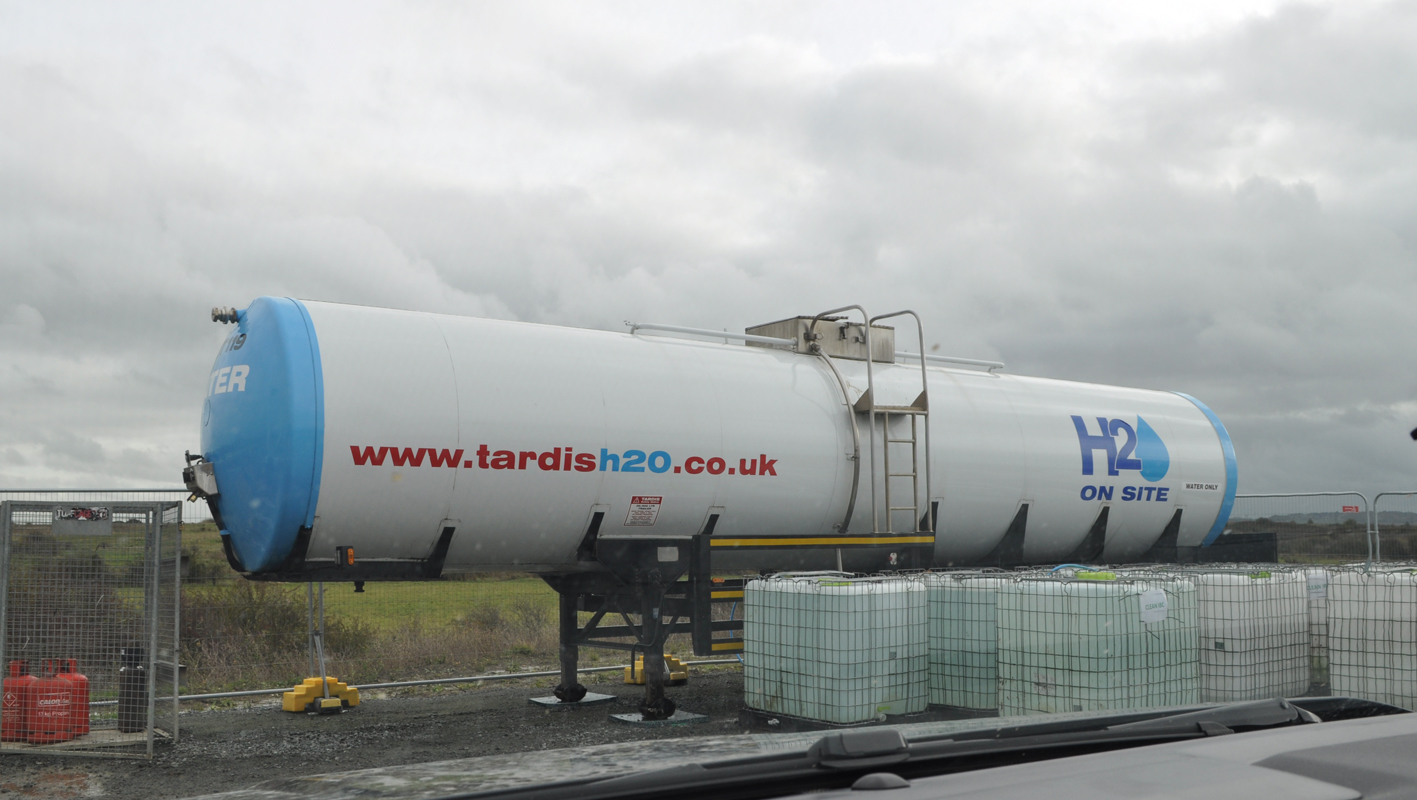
{"points": [[80, 597], [1395, 526], [1312, 528], [192, 510]]}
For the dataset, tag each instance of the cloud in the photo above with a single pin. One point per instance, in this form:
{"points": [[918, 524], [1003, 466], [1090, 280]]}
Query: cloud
{"points": [[1219, 203]]}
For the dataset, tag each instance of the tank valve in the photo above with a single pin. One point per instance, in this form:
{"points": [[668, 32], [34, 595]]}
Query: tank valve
{"points": [[224, 314]]}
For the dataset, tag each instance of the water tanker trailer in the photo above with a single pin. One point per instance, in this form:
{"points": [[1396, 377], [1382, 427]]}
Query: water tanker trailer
{"points": [[351, 443]]}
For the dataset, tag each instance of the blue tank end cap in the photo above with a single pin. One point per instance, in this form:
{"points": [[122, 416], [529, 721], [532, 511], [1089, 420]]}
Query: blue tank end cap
{"points": [[1227, 448], [263, 430]]}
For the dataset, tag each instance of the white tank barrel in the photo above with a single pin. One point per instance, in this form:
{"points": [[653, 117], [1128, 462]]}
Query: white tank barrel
{"points": [[474, 444]]}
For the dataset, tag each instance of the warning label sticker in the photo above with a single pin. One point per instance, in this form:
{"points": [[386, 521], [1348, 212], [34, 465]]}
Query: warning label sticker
{"points": [[1153, 606], [644, 510]]}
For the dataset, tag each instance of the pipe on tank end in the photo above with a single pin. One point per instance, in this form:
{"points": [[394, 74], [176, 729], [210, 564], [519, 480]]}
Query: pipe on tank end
{"points": [[225, 314]]}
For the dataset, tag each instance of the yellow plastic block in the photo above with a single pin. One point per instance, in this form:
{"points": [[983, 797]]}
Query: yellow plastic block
{"points": [[678, 672], [308, 696]]}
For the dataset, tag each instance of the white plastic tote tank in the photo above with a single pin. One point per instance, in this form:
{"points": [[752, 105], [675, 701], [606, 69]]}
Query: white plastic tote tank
{"points": [[964, 651], [332, 426], [1372, 636], [833, 648], [1088, 645], [1254, 634]]}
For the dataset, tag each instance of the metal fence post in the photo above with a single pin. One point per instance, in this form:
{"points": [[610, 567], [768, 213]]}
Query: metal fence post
{"points": [[1375, 544], [176, 622], [4, 577], [155, 573]]}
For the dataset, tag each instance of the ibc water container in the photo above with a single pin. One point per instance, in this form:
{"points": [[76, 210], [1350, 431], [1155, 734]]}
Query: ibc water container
{"points": [[1254, 634], [964, 653], [1085, 645], [1372, 636], [834, 648]]}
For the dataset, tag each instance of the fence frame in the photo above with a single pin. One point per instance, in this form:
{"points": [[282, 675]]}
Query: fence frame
{"points": [[179, 493], [1367, 510], [1377, 537]]}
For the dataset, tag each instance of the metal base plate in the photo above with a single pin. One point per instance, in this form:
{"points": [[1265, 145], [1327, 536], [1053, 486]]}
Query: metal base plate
{"points": [[591, 699], [679, 717]]}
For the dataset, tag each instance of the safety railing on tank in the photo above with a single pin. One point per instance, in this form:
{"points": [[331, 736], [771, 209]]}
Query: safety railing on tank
{"points": [[709, 333], [636, 327], [931, 358]]}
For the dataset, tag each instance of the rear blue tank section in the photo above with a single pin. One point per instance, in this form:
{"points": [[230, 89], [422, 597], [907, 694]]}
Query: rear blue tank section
{"points": [[1227, 449], [263, 430]]}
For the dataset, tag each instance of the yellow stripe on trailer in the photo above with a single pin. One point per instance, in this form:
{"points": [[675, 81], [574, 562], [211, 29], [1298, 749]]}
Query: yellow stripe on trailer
{"points": [[831, 541], [728, 647], [727, 595]]}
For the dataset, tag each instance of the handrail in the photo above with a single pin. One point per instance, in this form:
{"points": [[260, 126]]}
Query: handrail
{"points": [[636, 327], [973, 362], [925, 399], [855, 446], [870, 392]]}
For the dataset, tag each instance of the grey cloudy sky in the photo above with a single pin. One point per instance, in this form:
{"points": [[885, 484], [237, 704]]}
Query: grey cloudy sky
{"points": [[1217, 198]]}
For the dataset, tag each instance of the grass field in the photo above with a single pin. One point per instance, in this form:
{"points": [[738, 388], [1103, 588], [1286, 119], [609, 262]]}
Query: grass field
{"points": [[239, 634], [389, 606]]}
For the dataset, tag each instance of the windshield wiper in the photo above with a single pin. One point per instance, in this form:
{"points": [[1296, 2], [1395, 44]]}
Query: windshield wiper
{"points": [[838, 759]]}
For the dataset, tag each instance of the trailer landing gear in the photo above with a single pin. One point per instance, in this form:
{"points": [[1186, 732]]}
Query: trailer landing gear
{"points": [[641, 586]]}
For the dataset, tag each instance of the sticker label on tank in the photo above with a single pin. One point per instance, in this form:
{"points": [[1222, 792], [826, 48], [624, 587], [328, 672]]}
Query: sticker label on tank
{"points": [[1318, 586], [644, 510], [1153, 606], [1126, 447], [562, 459], [228, 379]]}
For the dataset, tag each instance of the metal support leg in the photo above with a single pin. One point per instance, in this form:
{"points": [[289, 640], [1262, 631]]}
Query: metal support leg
{"points": [[570, 689], [310, 627], [656, 705]]}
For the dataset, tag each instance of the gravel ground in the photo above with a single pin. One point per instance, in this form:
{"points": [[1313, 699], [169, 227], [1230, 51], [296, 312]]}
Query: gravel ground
{"points": [[233, 748]]}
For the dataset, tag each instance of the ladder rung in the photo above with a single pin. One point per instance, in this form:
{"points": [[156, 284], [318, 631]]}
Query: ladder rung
{"points": [[902, 508], [902, 475], [901, 441]]}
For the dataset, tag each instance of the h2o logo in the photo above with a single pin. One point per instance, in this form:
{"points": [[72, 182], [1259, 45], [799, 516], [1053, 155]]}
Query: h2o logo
{"points": [[1138, 448]]}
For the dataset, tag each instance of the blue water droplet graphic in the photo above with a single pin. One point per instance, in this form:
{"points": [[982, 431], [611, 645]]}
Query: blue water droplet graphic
{"points": [[1155, 459]]}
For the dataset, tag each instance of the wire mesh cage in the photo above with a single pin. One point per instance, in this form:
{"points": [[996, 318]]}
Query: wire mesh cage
{"points": [[1316, 584], [1108, 641], [835, 648], [1372, 635], [964, 657], [1254, 637], [88, 608]]}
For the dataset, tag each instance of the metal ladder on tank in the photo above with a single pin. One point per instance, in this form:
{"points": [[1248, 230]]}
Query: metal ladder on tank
{"points": [[919, 413]]}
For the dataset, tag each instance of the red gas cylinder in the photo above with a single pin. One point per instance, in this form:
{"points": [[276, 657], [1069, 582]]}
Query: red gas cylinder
{"points": [[15, 708], [78, 695], [48, 720]]}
